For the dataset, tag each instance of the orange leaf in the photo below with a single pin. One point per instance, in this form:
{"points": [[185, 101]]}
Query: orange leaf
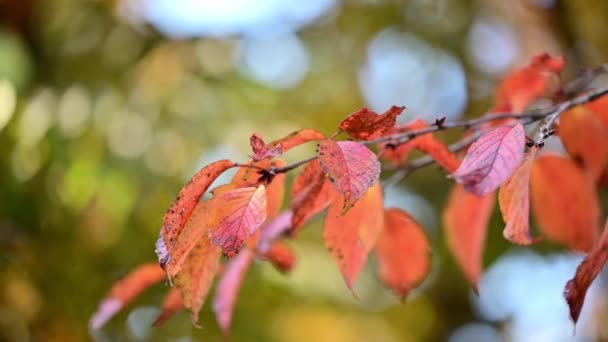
{"points": [[196, 276], [172, 304], [125, 290], [514, 203], [591, 147], [565, 202], [426, 143], [351, 236], [263, 151], [523, 86], [465, 220], [586, 272], [249, 176], [309, 195], [600, 108], [275, 191], [193, 232], [281, 257], [236, 215], [403, 252], [365, 124], [183, 205], [228, 287], [350, 166], [298, 138]]}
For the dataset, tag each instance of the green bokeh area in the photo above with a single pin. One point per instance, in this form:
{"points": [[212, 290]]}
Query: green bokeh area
{"points": [[104, 117]]}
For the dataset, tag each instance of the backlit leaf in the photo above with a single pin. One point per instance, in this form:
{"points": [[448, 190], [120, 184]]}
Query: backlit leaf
{"points": [[309, 195], [228, 288], [403, 252], [465, 220], [196, 276], [365, 124], [349, 237], [590, 147], [520, 88], [172, 304], [263, 151], [125, 290], [586, 272], [235, 216], [350, 166], [514, 203], [183, 205], [565, 202], [492, 159]]}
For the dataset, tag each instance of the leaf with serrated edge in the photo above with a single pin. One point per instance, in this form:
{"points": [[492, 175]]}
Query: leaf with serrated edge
{"points": [[365, 124], [350, 166], [235, 216], [492, 159], [350, 237]]}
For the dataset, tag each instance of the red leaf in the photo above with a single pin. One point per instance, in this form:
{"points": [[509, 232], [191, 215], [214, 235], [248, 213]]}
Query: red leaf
{"points": [[591, 148], [465, 220], [125, 290], [599, 107], [172, 304], [263, 151], [196, 276], [350, 166], [427, 143], [565, 202], [403, 252], [281, 257], [365, 124], [236, 215], [273, 229], [514, 202], [193, 232], [228, 288], [527, 84], [351, 236], [309, 195], [492, 159], [298, 138], [586, 272], [183, 205]]}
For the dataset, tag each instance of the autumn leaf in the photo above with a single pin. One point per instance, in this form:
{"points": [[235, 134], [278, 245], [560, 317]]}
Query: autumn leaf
{"points": [[365, 124], [520, 88], [599, 107], [280, 256], [125, 290], [349, 237], [491, 159], [465, 220], [309, 195], [183, 205], [172, 304], [426, 143], [236, 215], [263, 151], [565, 202], [273, 229], [350, 166], [586, 272], [196, 276], [591, 148], [298, 138], [195, 230], [514, 203], [403, 252], [228, 287]]}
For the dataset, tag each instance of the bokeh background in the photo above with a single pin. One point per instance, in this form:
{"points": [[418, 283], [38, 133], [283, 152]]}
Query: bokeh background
{"points": [[108, 106]]}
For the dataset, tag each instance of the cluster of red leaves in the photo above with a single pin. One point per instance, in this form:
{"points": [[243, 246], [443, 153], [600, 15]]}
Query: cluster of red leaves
{"points": [[242, 219]]}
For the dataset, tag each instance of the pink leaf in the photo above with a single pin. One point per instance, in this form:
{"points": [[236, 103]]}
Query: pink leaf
{"points": [[492, 159], [350, 166], [228, 288], [273, 229], [263, 151], [235, 216]]}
